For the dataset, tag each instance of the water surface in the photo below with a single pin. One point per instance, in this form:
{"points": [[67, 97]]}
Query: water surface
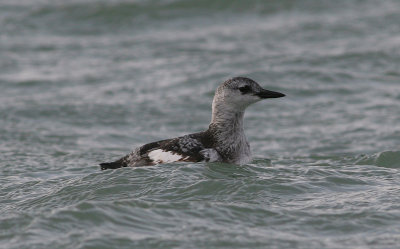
{"points": [[86, 81]]}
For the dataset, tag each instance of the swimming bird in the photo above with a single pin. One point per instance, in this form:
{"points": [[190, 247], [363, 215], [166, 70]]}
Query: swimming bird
{"points": [[223, 141]]}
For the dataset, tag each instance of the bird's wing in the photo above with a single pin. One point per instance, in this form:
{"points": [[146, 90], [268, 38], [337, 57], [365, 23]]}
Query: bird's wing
{"points": [[183, 149], [188, 148]]}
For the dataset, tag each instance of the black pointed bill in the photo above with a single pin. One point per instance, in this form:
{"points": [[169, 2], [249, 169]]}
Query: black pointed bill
{"points": [[266, 94]]}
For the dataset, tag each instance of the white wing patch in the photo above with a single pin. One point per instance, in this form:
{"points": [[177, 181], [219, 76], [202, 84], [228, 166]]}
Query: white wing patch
{"points": [[162, 156]]}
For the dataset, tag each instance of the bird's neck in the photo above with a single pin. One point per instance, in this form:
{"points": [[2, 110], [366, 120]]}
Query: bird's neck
{"points": [[228, 122], [228, 131]]}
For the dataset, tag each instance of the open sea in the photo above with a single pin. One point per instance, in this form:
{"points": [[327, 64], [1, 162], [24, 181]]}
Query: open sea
{"points": [[87, 81]]}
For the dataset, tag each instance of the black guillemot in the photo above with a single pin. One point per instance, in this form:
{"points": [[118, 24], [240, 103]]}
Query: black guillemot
{"points": [[223, 141]]}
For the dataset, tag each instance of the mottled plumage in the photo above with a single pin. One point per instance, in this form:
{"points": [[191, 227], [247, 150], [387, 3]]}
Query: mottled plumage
{"points": [[223, 141]]}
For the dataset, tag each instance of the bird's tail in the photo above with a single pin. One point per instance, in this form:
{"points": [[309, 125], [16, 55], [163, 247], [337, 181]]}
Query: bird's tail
{"points": [[113, 165]]}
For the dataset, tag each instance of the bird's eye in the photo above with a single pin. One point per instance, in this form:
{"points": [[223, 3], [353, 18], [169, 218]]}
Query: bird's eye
{"points": [[244, 89]]}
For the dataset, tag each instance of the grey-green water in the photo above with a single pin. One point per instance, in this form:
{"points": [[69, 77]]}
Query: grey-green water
{"points": [[86, 81]]}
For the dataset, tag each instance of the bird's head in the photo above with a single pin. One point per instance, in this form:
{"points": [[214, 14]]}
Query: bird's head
{"points": [[240, 92]]}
